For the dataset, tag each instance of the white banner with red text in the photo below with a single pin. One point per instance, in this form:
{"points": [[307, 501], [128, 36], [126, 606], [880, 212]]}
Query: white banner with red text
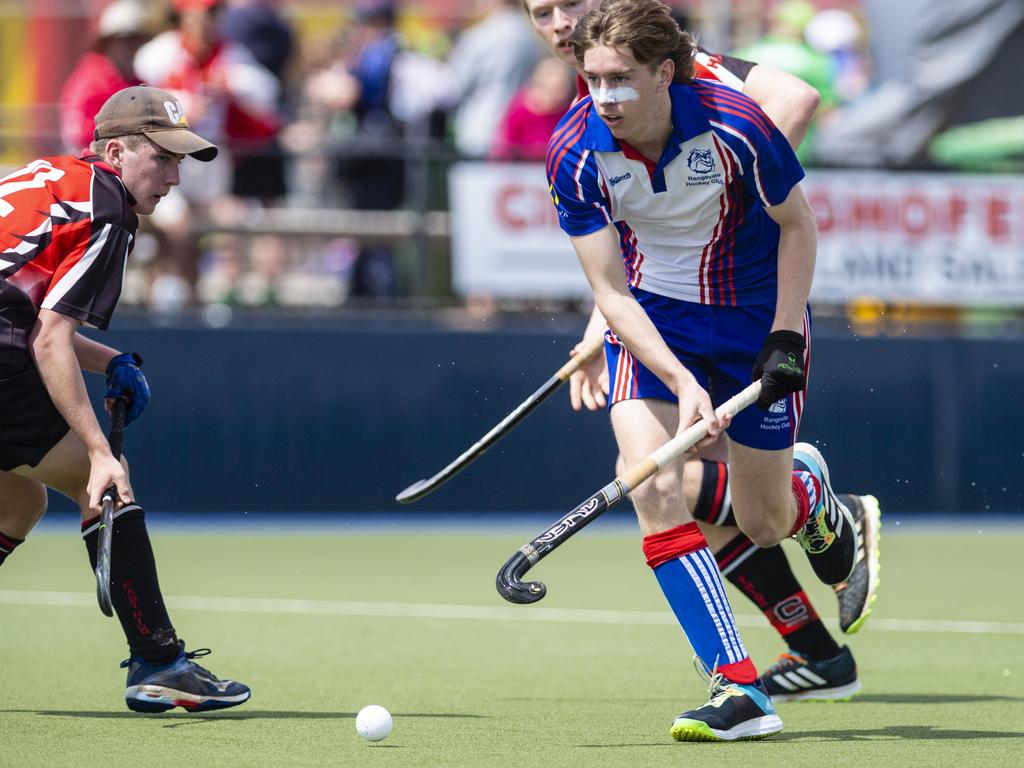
{"points": [[929, 238]]}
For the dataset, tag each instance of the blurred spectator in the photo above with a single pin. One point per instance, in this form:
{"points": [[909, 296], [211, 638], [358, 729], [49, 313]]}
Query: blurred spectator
{"points": [[274, 271], [227, 94], [224, 264], [785, 48], [229, 97], [534, 112], [491, 60], [103, 71], [358, 84], [839, 35], [258, 26], [947, 63]]}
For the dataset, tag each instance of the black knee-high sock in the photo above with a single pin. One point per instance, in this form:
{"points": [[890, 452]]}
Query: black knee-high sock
{"points": [[135, 591], [7, 545], [714, 504], [765, 577]]}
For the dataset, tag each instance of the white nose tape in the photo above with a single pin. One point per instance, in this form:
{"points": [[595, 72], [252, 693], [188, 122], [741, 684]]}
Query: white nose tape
{"points": [[614, 95]]}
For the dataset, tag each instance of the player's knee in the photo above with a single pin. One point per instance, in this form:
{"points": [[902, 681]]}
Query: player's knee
{"points": [[30, 506], [764, 531], [39, 511], [25, 507], [658, 496]]}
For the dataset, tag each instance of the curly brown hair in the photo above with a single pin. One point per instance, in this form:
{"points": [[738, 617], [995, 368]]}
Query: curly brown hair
{"points": [[643, 27]]}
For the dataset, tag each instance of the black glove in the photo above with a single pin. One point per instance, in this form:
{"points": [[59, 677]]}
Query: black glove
{"points": [[780, 367]]}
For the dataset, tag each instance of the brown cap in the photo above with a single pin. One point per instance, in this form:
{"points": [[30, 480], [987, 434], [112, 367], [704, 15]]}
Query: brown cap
{"points": [[156, 114]]}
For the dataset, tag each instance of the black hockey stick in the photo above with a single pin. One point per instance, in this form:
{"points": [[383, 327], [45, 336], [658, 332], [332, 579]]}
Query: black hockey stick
{"points": [[510, 582], [421, 488], [108, 502]]}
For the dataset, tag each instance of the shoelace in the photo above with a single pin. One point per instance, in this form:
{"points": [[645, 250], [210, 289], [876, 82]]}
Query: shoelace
{"points": [[198, 653], [713, 678], [784, 659]]}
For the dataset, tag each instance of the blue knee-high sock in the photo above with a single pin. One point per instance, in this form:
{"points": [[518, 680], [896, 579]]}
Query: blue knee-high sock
{"points": [[688, 575]]}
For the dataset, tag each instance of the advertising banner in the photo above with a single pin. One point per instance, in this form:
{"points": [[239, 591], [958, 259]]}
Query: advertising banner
{"points": [[928, 238]]}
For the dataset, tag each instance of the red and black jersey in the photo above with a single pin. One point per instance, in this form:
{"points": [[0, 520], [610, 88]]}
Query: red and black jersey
{"points": [[67, 229]]}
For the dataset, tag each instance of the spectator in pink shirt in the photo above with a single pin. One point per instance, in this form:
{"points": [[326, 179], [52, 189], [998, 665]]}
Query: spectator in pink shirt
{"points": [[103, 71], [533, 113]]}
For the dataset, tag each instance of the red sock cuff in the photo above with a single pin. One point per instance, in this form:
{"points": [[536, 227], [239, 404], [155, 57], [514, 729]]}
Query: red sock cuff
{"points": [[742, 672], [668, 545], [803, 504]]}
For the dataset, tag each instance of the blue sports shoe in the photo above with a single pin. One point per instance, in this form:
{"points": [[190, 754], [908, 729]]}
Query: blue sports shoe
{"points": [[829, 537], [182, 683], [735, 712]]}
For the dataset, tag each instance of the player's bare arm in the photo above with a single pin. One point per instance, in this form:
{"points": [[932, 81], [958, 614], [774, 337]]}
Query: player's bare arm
{"points": [[786, 99], [798, 243], [92, 355], [53, 346], [600, 256]]}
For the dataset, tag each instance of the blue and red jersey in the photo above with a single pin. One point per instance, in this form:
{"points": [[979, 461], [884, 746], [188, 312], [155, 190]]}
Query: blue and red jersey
{"points": [[693, 225]]}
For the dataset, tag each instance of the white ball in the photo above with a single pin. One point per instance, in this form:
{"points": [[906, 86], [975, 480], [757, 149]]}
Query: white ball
{"points": [[374, 722]]}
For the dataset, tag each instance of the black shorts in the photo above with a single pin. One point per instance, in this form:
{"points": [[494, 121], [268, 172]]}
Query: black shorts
{"points": [[30, 424]]}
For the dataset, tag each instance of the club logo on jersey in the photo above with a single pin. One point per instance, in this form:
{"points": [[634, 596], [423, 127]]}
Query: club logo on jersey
{"points": [[703, 170], [701, 161], [616, 179], [176, 113], [779, 406]]}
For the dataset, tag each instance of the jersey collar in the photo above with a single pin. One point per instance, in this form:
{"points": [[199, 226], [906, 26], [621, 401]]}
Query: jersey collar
{"points": [[101, 164]]}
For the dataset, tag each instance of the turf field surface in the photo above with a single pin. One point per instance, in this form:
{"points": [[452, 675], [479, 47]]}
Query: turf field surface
{"points": [[321, 622]]}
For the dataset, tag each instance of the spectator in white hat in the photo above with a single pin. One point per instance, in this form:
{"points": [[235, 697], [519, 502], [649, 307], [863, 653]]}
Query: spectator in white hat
{"points": [[104, 70]]}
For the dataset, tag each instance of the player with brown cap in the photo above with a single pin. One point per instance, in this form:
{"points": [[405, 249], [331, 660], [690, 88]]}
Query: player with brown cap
{"points": [[69, 226]]}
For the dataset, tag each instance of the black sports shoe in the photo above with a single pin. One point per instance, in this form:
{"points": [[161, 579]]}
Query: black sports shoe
{"points": [[735, 712], [857, 594], [828, 537], [182, 683], [795, 678]]}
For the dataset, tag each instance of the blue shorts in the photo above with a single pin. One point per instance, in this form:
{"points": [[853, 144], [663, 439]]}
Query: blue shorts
{"points": [[718, 345]]}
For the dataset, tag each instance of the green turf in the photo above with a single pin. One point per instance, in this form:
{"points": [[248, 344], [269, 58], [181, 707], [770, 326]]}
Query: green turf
{"points": [[490, 691]]}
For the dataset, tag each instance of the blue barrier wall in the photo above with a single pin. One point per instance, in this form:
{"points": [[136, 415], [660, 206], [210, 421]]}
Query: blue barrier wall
{"points": [[344, 414]]}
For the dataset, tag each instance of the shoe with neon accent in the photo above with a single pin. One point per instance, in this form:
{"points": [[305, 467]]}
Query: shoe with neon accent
{"points": [[857, 594], [828, 537], [795, 678], [182, 683], [735, 712]]}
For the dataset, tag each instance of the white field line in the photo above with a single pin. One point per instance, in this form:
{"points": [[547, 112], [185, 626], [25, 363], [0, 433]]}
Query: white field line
{"points": [[477, 612]]}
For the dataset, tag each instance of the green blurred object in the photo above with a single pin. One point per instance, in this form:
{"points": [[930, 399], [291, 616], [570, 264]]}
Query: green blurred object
{"points": [[795, 14], [799, 59], [991, 145]]}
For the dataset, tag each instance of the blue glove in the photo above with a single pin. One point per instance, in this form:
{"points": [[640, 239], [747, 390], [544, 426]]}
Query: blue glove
{"points": [[125, 379]]}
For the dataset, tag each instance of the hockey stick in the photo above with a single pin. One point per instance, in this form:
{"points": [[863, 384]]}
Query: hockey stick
{"points": [[109, 499], [510, 578], [421, 488]]}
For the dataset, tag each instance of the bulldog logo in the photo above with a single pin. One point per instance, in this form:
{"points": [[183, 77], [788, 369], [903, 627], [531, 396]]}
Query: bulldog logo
{"points": [[701, 161]]}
